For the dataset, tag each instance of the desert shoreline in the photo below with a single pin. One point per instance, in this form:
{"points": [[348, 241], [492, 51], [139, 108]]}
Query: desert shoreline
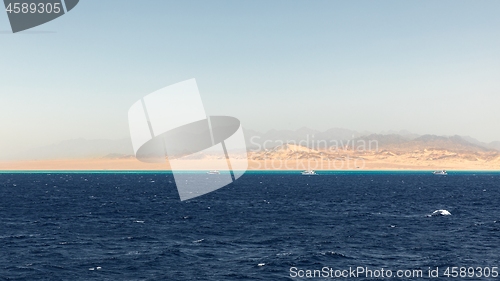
{"points": [[253, 165]]}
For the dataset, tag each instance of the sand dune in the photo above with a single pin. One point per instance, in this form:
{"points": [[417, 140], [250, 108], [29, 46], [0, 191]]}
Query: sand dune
{"points": [[293, 157]]}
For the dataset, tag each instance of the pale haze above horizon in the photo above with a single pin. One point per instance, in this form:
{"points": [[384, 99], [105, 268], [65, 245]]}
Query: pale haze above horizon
{"points": [[429, 67]]}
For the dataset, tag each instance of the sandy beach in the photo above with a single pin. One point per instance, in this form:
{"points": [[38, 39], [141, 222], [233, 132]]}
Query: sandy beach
{"points": [[272, 164]]}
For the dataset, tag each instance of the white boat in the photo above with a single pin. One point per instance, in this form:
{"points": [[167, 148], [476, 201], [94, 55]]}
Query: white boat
{"points": [[440, 173], [213, 172], [309, 173]]}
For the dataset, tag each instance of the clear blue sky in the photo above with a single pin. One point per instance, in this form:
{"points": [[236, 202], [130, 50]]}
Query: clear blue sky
{"points": [[425, 66]]}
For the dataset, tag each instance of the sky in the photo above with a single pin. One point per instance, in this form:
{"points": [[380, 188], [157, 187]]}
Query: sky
{"points": [[429, 67]]}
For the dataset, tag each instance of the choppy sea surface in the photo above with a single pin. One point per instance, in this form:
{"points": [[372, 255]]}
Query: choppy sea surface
{"points": [[132, 226]]}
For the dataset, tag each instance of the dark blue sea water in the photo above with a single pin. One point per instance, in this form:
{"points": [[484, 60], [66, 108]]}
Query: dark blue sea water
{"points": [[132, 226]]}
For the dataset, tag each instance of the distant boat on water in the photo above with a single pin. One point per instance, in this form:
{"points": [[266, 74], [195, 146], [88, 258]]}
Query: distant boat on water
{"points": [[213, 172], [440, 173], [309, 173]]}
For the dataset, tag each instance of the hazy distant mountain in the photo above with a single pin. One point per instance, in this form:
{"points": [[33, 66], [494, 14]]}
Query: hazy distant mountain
{"points": [[403, 133], [491, 145], [495, 145], [451, 143], [384, 141], [271, 138], [79, 148], [396, 141]]}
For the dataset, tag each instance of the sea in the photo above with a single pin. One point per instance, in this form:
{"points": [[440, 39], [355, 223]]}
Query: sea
{"points": [[264, 226]]}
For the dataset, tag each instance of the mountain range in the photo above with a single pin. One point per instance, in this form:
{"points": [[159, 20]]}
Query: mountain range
{"points": [[394, 141], [399, 140]]}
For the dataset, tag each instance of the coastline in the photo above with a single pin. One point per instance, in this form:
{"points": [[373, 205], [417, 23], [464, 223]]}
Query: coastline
{"points": [[132, 164]]}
